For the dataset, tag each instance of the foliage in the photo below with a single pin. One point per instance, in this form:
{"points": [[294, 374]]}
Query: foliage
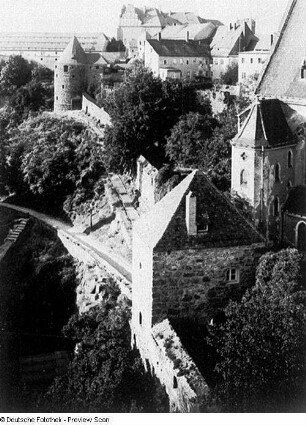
{"points": [[189, 139], [143, 110], [52, 158], [105, 374], [115, 46], [16, 73], [230, 76], [204, 142], [262, 342]]}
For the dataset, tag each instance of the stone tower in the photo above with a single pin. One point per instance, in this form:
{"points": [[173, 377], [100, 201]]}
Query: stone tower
{"points": [[70, 77], [264, 154]]}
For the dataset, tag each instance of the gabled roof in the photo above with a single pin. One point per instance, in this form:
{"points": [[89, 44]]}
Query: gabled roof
{"points": [[177, 48], [164, 227], [282, 74], [266, 125], [296, 202], [228, 42], [196, 31], [73, 54]]}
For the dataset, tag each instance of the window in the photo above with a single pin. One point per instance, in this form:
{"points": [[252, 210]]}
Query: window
{"points": [[276, 207], [56, 59], [65, 68], [242, 60], [56, 75], [140, 265], [187, 62], [63, 87], [140, 318], [244, 75], [277, 173], [216, 62], [174, 382], [259, 60], [232, 275], [251, 60], [243, 178], [290, 165], [56, 97], [55, 66], [165, 62], [301, 237]]}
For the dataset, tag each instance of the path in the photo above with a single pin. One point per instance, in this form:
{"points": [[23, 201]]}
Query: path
{"points": [[118, 264]]}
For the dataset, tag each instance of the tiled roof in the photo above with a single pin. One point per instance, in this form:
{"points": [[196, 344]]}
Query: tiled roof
{"points": [[51, 41], [266, 125], [164, 227], [296, 202], [196, 31], [229, 42], [282, 74], [180, 48], [73, 54]]}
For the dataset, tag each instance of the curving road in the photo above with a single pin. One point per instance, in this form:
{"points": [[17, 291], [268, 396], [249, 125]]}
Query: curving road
{"points": [[118, 264]]}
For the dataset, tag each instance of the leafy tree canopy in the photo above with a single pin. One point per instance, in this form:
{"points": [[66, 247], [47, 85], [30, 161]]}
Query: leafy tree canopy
{"points": [[143, 110], [16, 73], [115, 46], [230, 76], [105, 374], [261, 345]]}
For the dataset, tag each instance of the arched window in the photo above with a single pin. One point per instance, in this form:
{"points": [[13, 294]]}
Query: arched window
{"points": [[301, 237], [277, 173], [276, 207], [290, 161], [243, 178]]}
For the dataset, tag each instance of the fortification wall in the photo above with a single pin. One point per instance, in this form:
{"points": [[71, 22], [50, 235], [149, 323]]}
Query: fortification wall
{"points": [[194, 283], [90, 107]]}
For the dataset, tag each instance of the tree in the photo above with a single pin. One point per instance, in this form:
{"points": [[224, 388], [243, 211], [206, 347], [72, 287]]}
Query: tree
{"points": [[143, 110], [261, 345], [105, 375], [189, 139], [230, 76], [16, 73], [115, 46]]}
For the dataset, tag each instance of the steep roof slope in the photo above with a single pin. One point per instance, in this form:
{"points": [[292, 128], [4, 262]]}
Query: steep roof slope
{"points": [[196, 31], [231, 41], [73, 54], [266, 125], [282, 74], [177, 48], [164, 226]]}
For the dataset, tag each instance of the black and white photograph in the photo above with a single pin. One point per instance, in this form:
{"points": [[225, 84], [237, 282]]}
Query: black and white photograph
{"points": [[152, 211]]}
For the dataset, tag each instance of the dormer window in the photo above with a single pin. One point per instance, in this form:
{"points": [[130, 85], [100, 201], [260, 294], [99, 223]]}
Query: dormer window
{"points": [[202, 222]]}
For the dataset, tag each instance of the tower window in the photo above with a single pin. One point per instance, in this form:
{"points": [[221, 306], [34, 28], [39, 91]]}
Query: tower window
{"points": [[290, 164], [243, 178], [276, 207], [232, 275], [65, 68], [277, 173], [140, 318], [63, 87], [175, 382]]}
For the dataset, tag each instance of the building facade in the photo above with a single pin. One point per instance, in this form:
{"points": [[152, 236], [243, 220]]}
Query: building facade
{"points": [[177, 58]]}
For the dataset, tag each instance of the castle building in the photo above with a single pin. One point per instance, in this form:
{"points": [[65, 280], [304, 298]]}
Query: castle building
{"points": [[46, 48], [228, 42], [269, 152], [192, 252], [76, 71], [177, 59]]}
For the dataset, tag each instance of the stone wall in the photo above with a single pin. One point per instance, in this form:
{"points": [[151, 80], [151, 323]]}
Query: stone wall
{"points": [[68, 86], [193, 283], [90, 107], [164, 356]]}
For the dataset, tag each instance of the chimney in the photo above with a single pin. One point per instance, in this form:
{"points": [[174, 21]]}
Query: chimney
{"points": [[272, 39], [191, 214], [187, 36]]}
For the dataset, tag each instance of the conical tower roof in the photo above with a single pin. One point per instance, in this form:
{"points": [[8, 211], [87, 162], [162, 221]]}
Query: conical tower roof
{"points": [[73, 54]]}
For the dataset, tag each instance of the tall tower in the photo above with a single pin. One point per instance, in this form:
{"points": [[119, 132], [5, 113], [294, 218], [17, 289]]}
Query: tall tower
{"points": [[263, 159], [70, 77]]}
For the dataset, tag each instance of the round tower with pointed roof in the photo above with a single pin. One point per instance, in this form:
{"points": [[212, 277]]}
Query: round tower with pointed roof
{"points": [[70, 77]]}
